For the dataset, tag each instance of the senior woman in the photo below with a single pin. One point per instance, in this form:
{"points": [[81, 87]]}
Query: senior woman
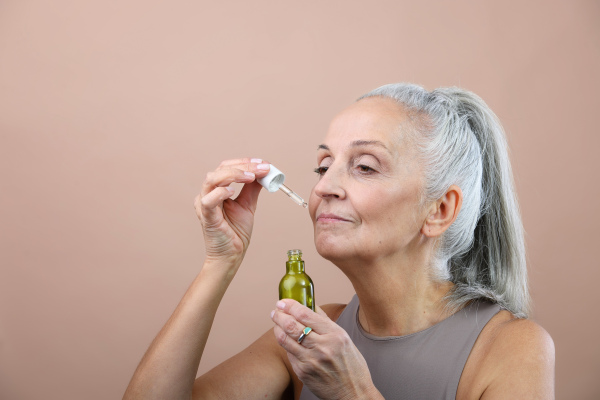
{"points": [[415, 204]]}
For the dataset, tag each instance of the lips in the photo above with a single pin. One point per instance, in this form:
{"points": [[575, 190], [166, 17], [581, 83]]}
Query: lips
{"points": [[327, 217]]}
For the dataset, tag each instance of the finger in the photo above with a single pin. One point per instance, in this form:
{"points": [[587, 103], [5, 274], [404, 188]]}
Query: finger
{"points": [[248, 197], [246, 160], [290, 344], [304, 315], [241, 173], [224, 177], [207, 206], [255, 165], [283, 339], [288, 324], [293, 329]]}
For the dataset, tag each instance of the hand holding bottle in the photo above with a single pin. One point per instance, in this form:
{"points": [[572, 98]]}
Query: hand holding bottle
{"points": [[326, 360], [227, 223]]}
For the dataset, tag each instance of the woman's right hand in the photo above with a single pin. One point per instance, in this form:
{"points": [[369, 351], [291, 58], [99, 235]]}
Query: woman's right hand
{"points": [[170, 365], [226, 223]]}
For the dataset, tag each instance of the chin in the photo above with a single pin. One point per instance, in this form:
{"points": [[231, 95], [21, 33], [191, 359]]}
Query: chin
{"points": [[334, 248]]}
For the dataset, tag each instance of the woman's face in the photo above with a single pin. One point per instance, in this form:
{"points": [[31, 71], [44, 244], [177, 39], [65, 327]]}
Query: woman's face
{"points": [[366, 204]]}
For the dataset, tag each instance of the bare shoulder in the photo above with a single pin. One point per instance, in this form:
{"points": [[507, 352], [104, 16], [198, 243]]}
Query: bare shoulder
{"points": [[523, 338], [512, 357]]}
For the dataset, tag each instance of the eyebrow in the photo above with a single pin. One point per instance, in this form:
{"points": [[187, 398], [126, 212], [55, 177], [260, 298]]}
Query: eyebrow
{"points": [[359, 143]]}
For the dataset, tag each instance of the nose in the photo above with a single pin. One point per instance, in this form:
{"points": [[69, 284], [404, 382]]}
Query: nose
{"points": [[330, 185]]}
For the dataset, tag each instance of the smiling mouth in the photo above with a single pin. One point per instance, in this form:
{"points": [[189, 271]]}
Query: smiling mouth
{"points": [[330, 218]]}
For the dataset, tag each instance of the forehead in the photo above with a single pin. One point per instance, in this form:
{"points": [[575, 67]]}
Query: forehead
{"points": [[373, 118]]}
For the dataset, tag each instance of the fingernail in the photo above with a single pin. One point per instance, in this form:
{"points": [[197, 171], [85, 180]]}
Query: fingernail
{"points": [[272, 313], [280, 304], [263, 166], [250, 174], [256, 160], [230, 189]]}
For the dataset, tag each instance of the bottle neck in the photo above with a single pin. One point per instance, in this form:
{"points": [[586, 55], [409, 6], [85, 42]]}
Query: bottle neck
{"points": [[295, 265]]}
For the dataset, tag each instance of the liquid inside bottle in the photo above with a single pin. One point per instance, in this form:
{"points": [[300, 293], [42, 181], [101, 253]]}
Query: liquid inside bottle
{"points": [[295, 284]]}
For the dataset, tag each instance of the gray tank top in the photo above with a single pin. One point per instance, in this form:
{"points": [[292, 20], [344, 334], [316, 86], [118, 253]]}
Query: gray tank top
{"points": [[423, 365]]}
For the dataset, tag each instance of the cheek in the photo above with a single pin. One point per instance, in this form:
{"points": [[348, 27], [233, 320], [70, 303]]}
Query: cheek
{"points": [[387, 214], [313, 203]]}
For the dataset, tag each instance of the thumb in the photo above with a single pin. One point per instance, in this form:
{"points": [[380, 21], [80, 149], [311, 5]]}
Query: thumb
{"points": [[248, 196]]}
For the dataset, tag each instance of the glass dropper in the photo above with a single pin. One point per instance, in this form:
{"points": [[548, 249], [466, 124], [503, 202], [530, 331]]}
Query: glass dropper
{"points": [[273, 181], [292, 195]]}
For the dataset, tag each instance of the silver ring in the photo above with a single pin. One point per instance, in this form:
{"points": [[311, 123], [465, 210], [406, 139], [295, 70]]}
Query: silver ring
{"points": [[305, 333]]}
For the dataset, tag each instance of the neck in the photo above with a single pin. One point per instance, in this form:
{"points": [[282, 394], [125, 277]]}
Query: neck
{"points": [[398, 298]]}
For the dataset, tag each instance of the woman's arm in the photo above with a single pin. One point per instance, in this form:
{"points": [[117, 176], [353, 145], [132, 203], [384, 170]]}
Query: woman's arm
{"points": [[257, 372], [169, 367], [261, 371]]}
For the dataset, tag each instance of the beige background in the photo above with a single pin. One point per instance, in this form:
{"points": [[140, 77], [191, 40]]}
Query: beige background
{"points": [[112, 112]]}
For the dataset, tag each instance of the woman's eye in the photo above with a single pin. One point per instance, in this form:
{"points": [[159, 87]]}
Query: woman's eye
{"points": [[320, 170], [365, 168]]}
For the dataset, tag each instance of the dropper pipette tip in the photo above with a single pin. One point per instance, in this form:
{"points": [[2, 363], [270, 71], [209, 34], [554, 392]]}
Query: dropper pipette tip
{"points": [[292, 195]]}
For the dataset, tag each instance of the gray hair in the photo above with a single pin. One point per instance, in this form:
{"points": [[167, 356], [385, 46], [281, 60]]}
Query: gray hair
{"points": [[461, 142]]}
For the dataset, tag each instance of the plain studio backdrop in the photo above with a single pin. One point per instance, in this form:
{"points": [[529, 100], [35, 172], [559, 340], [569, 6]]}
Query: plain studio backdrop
{"points": [[112, 112]]}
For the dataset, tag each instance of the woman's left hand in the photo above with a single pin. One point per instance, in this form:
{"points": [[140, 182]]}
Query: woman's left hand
{"points": [[326, 361]]}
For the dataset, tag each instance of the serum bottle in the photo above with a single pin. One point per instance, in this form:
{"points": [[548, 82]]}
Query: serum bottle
{"points": [[295, 284]]}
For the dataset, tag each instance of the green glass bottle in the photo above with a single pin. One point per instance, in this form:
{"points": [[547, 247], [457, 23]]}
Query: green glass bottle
{"points": [[295, 284]]}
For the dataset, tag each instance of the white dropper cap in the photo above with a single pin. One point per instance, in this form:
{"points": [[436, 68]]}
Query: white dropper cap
{"points": [[273, 180]]}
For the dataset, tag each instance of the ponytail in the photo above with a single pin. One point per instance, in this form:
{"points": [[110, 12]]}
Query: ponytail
{"points": [[462, 142]]}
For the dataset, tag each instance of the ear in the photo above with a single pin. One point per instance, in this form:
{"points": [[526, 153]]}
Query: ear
{"points": [[443, 212]]}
